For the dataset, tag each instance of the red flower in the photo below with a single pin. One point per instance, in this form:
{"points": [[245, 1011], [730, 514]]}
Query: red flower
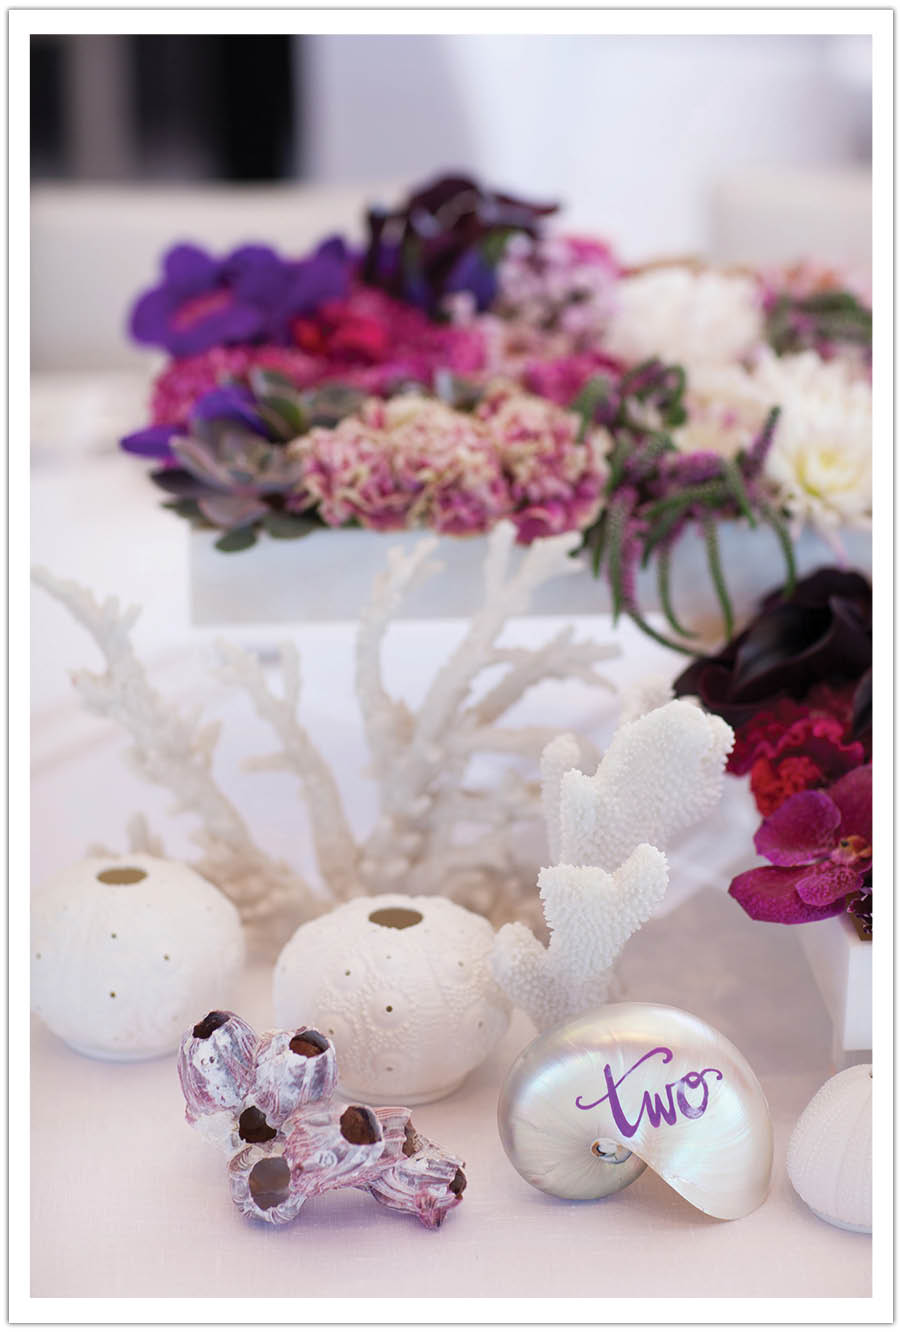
{"points": [[809, 754]]}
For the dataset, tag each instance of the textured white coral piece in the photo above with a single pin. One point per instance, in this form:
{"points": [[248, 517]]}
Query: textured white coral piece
{"points": [[591, 915], [661, 774]]}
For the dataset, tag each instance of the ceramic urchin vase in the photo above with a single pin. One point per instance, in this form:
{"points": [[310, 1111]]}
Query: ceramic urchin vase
{"points": [[829, 1158], [403, 987], [125, 954]]}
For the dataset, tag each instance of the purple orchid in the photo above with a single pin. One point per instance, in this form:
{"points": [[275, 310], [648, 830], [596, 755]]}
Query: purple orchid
{"points": [[251, 295], [820, 847]]}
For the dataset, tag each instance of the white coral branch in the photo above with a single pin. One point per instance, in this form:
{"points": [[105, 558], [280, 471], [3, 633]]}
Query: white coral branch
{"points": [[336, 850], [170, 748], [591, 915]]}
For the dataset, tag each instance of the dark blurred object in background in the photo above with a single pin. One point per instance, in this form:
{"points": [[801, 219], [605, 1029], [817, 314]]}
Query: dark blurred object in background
{"points": [[107, 108]]}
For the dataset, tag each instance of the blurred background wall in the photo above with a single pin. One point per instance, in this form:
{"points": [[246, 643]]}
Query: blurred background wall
{"points": [[750, 148]]}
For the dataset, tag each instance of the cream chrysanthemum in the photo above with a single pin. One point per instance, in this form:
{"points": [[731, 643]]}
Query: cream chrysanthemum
{"points": [[692, 318], [820, 462]]}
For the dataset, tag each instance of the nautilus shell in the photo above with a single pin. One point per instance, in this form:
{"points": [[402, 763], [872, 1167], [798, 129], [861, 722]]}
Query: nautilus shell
{"points": [[592, 1102]]}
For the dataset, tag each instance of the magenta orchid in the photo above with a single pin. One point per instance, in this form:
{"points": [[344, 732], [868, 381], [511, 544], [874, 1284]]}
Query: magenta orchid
{"points": [[819, 844]]}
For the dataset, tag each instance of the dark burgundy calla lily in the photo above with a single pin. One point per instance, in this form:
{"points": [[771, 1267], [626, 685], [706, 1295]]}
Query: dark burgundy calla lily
{"points": [[822, 632], [446, 237]]}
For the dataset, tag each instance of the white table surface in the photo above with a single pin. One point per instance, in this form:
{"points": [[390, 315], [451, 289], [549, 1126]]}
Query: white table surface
{"points": [[127, 1201]]}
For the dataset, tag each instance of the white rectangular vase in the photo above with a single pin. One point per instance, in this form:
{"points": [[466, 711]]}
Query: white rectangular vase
{"points": [[328, 576], [841, 963]]}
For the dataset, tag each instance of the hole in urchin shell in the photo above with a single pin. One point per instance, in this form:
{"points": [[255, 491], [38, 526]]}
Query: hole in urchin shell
{"points": [[359, 1125], [395, 918], [270, 1182], [252, 1126], [309, 1043], [212, 1022], [122, 874]]}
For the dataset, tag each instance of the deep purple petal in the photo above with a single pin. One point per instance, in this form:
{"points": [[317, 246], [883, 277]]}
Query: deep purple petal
{"points": [[190, 270], [826, 883], [852, 794], [771, 894], [474, 274], [150, 317], [151, 442], [230, 402], [801, 829]]}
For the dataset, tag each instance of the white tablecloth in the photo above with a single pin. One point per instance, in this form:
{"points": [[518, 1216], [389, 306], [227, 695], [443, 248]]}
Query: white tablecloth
{"points": [[127, 1201]]}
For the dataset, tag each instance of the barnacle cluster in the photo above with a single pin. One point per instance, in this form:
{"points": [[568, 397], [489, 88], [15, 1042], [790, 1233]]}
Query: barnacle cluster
{"points": [[269, 1103]]}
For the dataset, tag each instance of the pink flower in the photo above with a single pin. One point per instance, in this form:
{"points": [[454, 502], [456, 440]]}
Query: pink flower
{"points": [[406, 462], [555, 480], [820, 847]]}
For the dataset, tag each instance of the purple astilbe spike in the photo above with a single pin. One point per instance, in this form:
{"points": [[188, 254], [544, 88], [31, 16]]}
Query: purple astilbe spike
{"points": [[755, 458]]}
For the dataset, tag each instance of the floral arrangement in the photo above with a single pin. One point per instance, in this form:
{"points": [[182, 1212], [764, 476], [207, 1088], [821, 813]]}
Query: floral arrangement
{"points": [[467, 366], [796, 685]]}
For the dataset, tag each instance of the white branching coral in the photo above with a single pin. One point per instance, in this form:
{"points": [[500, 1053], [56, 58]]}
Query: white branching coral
{"points": [[437, 832], [660, 774]]}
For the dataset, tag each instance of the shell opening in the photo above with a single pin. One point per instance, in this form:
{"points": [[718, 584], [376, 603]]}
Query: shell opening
{"points": [[395, 918], [308, 1043], [270, 1182], [613, 1153], [359, 1125], [212, 1022], [253, 1126], [122, 874]]}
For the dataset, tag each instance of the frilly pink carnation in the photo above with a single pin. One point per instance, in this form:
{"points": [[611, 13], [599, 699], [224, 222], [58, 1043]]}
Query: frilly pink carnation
{"points": [[555, 481], [406, 462]]}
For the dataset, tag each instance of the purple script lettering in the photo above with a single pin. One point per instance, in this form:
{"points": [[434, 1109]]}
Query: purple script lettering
{"points": [[658, 1107]]}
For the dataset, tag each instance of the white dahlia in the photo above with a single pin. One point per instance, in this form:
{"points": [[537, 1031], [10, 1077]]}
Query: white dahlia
{"points": [[694, 318]]}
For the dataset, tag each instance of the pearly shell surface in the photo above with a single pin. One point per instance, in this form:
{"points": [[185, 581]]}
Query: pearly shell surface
{"points": [[412, 1006], [597, 1098], [120, 968], [829, 1160]]}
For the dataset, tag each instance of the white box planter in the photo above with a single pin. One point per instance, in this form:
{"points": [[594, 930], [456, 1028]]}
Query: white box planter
{"points": [[841, 963], [328, 576]]}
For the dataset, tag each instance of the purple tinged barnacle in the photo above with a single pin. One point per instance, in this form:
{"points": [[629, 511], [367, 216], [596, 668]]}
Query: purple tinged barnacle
{"points": [[215, 1064], [293, 1068], [425, 1181], [261, 1184], [328, 1148]]}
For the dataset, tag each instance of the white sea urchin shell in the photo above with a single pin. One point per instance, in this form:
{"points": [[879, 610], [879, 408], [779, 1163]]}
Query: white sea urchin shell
{"points": [[126, 953], [403, 987], [829, 1160]]}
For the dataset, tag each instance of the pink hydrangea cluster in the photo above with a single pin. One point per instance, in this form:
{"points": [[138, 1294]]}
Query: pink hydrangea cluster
{"points": [[411, 461], [555, 479], [369, 341]]}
